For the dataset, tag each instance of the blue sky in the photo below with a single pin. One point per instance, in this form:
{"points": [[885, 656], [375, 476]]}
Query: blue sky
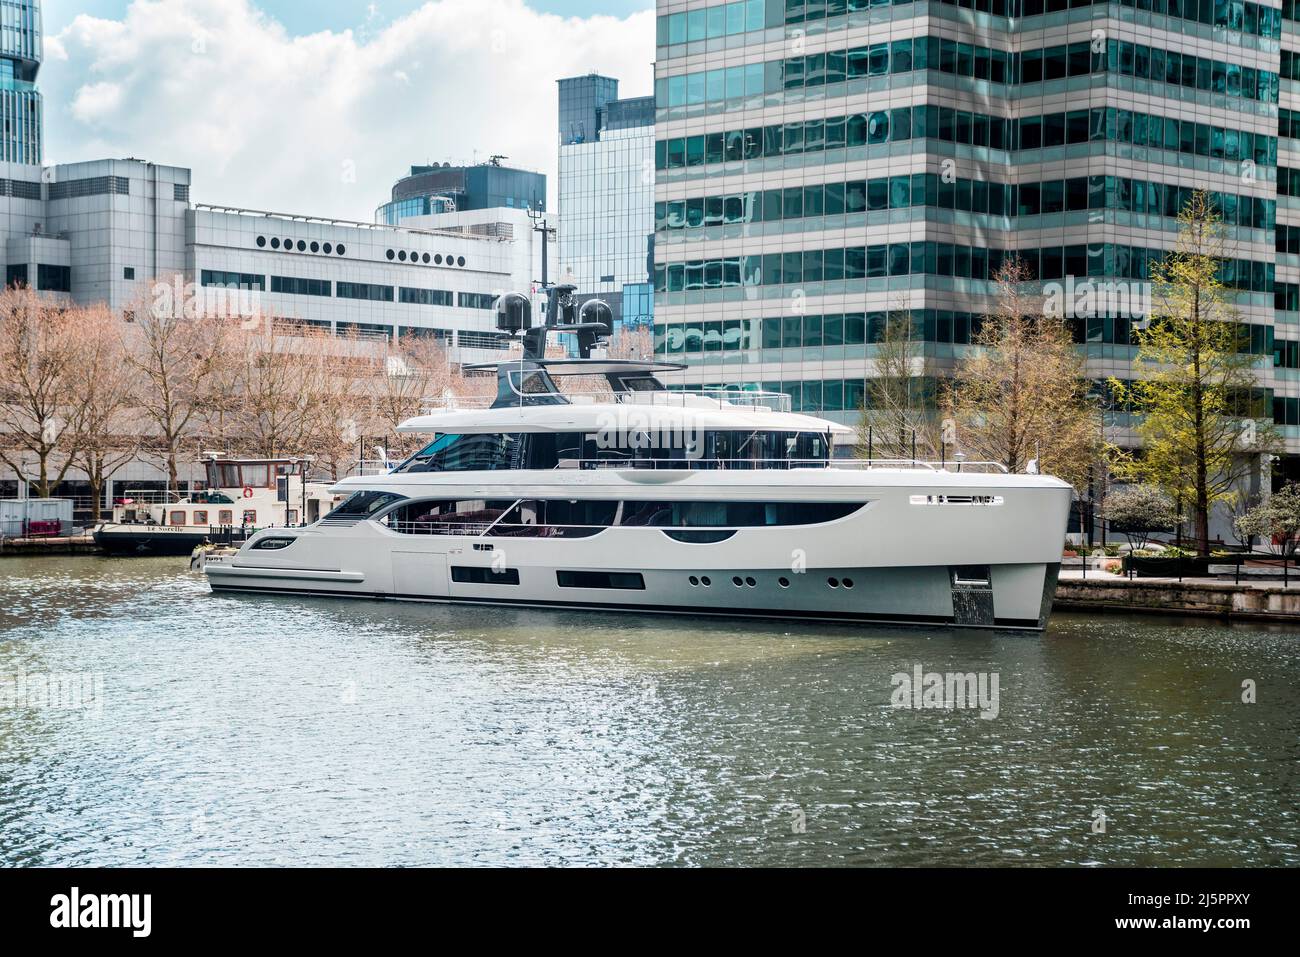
{"points": [[307, 17], [316, 107]]}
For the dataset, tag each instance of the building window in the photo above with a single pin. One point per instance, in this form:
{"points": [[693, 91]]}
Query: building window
{"points": [[128, 272], [364, 290], [232, 280], [93, 186], [16, 275], [293, 285], [476, 300], [53, 278], [181, 192]]}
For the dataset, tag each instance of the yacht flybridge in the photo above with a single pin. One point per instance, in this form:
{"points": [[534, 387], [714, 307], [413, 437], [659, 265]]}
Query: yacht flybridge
{"points": [[631, 496]]}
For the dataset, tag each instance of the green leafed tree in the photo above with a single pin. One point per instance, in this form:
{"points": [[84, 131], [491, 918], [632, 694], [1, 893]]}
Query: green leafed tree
{"points": [[1194, 389]]}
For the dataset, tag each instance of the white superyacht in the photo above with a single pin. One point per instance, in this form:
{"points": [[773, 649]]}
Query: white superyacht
{"points": [[638, 498]]}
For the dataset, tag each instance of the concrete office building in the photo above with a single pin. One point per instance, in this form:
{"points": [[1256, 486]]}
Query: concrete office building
{"points": [[606, 195], [820, 163], [104, 230]]}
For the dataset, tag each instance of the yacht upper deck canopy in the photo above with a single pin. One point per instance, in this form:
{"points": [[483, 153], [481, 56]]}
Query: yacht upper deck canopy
{"points": [[649, 412]]}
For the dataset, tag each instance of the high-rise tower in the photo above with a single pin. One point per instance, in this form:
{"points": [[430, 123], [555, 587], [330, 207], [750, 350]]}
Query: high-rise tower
{"points": [[20, 102]]}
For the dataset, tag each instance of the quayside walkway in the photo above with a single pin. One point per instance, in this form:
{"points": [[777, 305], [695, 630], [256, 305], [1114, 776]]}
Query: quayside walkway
{"points": [[1249, 599]]}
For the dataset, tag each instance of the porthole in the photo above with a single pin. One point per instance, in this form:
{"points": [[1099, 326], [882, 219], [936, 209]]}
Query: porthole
{"points": [[341, 249], [705, 581], [847, 583], [694, 582], [438, 259], [275, 242], [451, 260], [391, 255], [288, 244], [460, 260], [261, 242], [783, 582], [415, 257], [328, 249], [425, 257], [401, 256], [302, 246], [833, 582], [736, 581], [751, 583], [315, 246]]}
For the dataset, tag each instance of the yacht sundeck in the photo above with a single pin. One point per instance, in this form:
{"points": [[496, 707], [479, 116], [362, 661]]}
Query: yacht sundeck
{"points": [[640, 498]]}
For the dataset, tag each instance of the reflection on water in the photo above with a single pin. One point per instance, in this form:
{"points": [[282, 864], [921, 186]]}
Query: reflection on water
{"points": [[286, 731]]}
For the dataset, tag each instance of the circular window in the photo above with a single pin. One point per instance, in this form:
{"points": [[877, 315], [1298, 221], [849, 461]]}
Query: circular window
{"points": [[288, 244], [783, 582], [390, 254], [328, 249], [848, 583], [261, 241], [736, 581], [705, 581], [275, 243], [438, 259], [341, 249], [833, 582], [315, 247], [460, 260], [750, 582], [402, 255], [694, 581], [425, 257], [302, 246]]}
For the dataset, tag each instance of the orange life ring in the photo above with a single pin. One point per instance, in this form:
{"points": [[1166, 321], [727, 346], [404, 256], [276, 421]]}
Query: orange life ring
{"points": [[248, 491]]}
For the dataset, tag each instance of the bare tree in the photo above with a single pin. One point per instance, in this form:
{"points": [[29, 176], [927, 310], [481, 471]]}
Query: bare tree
{"points": [[177, 357], [40, 346], [1022, 394], [105, 422], [413, 373], [898, 417]]}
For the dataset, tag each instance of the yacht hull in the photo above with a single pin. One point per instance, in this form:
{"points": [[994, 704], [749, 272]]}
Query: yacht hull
{"points": [[1025, 590], [896, 559]]}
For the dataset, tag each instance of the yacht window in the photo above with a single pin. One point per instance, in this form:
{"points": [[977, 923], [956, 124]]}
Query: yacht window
{"points": [[486, 452], [734, 514], [549, 450], [452, 517], [362, 505], [558, 518]]}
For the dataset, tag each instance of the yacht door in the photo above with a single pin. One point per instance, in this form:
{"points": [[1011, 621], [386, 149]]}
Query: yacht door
{"points": [[419, 575]]}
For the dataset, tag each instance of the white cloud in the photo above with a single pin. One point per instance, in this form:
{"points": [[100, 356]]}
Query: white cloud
{"points": [[96, 102], [273, 121]]}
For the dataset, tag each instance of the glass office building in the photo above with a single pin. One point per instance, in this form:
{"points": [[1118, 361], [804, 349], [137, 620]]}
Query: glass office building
{"points": [[606, 225], [20, 102], [443, 188], [820, 163]]}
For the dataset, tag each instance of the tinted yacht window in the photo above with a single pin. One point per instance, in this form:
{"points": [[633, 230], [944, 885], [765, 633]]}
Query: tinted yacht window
{"points": [[364, 504], [466, 453]]}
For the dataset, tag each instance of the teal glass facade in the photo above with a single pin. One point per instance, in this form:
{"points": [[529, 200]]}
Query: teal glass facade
{"points": [[20, 101], [822, 164]]}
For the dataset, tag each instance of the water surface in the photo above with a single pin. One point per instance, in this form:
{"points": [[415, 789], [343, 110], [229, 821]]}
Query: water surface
{"points": [[267, 730]]}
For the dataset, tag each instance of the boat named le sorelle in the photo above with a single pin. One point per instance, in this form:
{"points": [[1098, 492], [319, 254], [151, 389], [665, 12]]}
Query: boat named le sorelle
{"points": [[647, 499]]}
